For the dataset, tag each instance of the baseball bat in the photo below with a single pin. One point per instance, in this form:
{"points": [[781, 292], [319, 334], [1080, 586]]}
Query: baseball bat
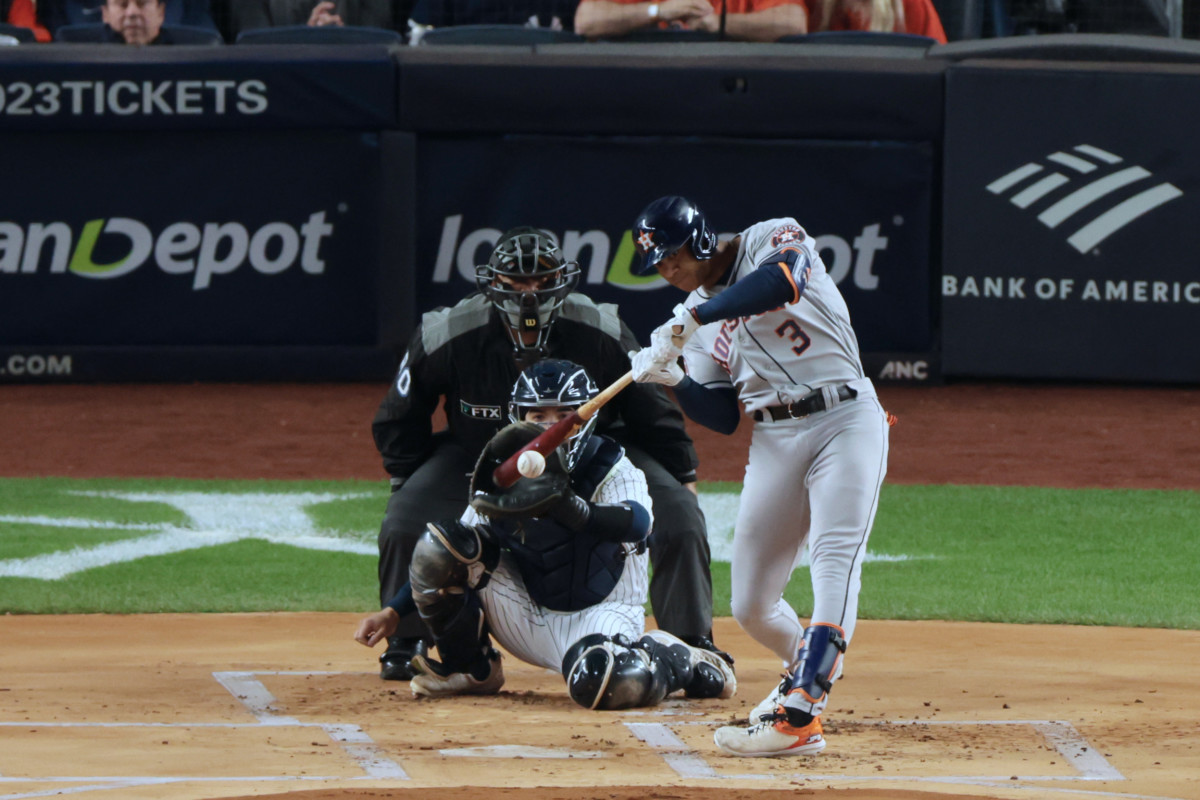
{"points": [[506, 474]]}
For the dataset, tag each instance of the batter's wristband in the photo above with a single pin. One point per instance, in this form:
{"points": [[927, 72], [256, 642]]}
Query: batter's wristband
{"points": [[687, 477], [397, 483]]}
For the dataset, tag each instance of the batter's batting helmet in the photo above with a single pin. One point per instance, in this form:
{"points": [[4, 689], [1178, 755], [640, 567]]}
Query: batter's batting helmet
{"points": [[666, 225], [524, 253], [551, 383]]}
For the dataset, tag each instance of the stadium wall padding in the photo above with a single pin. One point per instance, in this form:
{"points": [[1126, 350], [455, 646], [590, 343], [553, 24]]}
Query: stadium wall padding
{"points": [[284, 213]]}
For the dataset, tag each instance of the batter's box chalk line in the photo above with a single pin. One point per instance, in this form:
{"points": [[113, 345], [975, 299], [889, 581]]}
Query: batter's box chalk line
{"points": [[1089, 764], [660, 737]]}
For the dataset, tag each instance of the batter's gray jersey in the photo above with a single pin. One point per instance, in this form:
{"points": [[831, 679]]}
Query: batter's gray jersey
{"points": [[540, 636], [815, 479], [777, 357]]}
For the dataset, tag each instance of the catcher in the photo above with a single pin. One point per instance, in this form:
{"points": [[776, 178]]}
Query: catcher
{"points": [[555, 567]]}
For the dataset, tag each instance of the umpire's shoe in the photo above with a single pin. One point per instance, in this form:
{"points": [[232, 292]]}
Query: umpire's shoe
{"points": [[432, 679], [394, 664]]}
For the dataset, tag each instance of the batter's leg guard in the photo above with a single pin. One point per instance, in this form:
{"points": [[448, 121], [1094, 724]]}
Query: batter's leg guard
{"points": [[814, 672]]}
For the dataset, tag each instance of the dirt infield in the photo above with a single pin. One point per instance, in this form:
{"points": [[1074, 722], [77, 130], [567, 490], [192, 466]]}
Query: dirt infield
{"points": [[184, 707]]}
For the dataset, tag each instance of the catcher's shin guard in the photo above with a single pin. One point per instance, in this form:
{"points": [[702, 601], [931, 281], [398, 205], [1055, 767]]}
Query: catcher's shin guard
{"points": [[449, 559], [614, 673], [816, 668], [462, 640]]}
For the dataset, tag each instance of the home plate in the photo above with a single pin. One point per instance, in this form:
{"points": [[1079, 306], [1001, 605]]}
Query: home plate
{"points": [[517, 751]]}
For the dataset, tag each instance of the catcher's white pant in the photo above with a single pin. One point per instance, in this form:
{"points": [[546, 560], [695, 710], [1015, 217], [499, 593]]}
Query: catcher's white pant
{"points": [[540, 636], [814, 479]]}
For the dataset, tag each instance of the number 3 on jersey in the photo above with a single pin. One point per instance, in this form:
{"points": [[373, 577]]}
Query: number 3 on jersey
{"points": [[791, 330]]}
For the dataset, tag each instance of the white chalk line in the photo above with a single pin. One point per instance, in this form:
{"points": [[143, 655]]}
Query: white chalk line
{"points": [[1066, 740], [248, 689]]}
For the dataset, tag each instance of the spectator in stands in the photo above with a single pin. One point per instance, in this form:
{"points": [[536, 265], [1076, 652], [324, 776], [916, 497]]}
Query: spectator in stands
{"points": [[242, 15], [24, 14], [746, 20], [134, 21], [54, 14], [899, 16]]}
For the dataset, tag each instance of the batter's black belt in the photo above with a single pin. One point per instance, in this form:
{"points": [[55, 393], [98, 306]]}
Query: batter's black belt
{"points": [[811, 403]]}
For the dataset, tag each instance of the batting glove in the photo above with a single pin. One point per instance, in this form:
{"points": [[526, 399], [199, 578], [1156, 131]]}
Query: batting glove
{"points": [[682, 325], [649, 369]]}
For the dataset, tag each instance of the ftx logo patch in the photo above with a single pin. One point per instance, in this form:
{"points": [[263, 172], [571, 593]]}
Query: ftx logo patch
{"points": [[490, 413]]}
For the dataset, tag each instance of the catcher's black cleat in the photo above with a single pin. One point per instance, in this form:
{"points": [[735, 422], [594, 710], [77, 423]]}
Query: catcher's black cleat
{"points": [[394, 664], [705, 643], [433, 679]]}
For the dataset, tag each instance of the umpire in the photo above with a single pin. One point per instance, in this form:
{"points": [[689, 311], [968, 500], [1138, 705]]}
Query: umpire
{"points": [[471, 354]]}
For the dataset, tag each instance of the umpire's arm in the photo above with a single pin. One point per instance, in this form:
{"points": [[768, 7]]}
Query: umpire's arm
{"points": [[403, 424]]}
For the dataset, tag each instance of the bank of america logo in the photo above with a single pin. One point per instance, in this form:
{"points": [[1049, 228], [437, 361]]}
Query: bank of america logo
{"points": [[1101, 174]]}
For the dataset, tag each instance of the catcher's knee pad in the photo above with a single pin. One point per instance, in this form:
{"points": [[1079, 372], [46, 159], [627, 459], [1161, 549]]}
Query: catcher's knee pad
{"points": [[450, 557], [611, 674], [816, 668]]}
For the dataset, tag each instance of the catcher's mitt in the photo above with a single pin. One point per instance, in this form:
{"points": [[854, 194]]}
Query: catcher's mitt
{"points": [[528, 497]]}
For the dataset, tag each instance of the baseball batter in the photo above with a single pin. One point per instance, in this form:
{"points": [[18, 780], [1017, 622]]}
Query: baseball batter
{"points": [[764, 323], [555, 567]]}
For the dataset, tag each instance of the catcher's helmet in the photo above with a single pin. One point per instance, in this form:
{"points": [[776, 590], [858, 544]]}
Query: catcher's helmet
{"points": [[666, 225], [524, 253], [551, 383]]}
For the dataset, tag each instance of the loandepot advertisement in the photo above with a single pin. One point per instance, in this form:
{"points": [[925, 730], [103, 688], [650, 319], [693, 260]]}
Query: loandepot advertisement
{"points": [[187, 239], [867, 204]]}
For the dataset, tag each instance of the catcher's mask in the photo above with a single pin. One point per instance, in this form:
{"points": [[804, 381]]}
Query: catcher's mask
{"points": [[523, 254], [552, 383], [664, 227]]}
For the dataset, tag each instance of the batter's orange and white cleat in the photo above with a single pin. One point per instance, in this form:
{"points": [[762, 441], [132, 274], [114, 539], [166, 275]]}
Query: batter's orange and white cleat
{"points": [[774, 700], [772, 736]]}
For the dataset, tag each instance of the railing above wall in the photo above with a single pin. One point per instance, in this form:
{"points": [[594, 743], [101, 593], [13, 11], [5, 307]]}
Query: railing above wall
{"points": [[1099, 47], [757, 90]]}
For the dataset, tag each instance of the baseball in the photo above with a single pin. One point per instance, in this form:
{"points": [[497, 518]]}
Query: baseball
{"points": [[531, 463]]}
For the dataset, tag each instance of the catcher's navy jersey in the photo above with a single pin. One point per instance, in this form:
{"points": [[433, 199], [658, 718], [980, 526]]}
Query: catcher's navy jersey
{"points": [[568, 571]]}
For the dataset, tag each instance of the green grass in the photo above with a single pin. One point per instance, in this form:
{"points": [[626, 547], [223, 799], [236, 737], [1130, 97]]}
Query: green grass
{"points": [[1095, 557], [1103, 557]]}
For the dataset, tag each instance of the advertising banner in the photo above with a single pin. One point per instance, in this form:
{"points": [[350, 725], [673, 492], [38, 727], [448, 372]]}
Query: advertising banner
{"points": [[867, 204], [190, 240], [1071, 200], [188, 88]]}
